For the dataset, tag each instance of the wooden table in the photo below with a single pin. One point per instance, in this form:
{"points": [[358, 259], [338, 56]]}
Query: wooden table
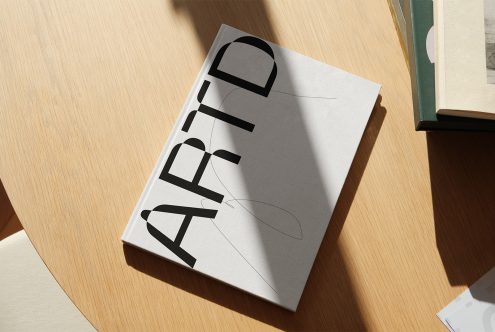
{"points": [[89, 91]]}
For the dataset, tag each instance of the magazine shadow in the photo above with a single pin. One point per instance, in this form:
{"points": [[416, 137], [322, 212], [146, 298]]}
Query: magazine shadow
{"points": [[462, 179]]}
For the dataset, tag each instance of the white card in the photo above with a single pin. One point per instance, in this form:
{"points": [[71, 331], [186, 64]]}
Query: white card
{"points": [[474, 309]]}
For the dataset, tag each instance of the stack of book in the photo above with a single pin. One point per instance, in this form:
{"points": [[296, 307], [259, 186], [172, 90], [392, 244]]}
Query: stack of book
{"points": [[450, 49]]}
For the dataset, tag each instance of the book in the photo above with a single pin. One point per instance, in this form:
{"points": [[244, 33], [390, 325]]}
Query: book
{"points": [[245, 186], [419, 42], [461, 74]]}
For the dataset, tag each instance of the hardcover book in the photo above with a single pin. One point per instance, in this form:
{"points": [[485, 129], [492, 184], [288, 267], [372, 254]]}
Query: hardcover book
{"points": [[245, 187], [420, 42]]}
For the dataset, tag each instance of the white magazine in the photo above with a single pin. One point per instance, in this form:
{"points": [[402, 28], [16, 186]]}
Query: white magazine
{"points": [[247, 182]]}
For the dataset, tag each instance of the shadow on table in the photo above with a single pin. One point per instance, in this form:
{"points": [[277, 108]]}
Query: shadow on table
{"points": [[9, 223], [328, 301], [462, 174]]}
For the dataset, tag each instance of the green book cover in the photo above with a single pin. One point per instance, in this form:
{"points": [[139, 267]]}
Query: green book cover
{"points": [[418, 17]]}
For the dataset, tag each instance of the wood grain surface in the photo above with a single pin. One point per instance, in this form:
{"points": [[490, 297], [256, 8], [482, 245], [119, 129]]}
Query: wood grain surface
{"points": [[89, 91]]}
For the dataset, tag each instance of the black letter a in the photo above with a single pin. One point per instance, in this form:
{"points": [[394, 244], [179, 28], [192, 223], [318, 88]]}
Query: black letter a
{"points": [[174, 245]]}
